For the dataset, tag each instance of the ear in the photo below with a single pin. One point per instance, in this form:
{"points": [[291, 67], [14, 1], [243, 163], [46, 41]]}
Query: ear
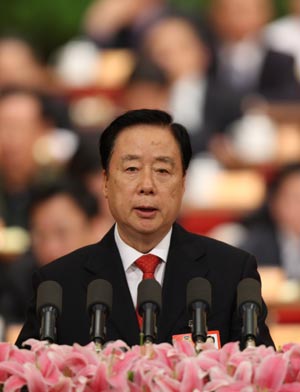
{"points": [[184, 182], [104, 183]]}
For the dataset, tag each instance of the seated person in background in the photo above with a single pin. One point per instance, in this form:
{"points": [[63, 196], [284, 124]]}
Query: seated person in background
{"points": [[176, 47], [145, 157], [62, 218], [273, 232], [243, 60], [22, 67], [25, 120]]}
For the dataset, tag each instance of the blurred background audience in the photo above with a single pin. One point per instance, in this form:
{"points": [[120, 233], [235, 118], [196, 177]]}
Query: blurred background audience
{"points": [[273, 231], [120, 23], [175, 46], [62, 217], [27, 125], [242, 57], [229, 70]]}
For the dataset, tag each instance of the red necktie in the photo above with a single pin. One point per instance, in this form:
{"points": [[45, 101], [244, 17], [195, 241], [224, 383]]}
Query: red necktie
{"points": [[147, 264]]}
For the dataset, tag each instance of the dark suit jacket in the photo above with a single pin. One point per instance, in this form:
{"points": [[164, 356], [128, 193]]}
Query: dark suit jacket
{"points": [[277, 79], [189, 256], [221, 108], [262, 241]]}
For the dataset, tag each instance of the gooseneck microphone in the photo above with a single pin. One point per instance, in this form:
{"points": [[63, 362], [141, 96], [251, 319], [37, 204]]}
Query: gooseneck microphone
{"points": [[149, 306], [249, 305], [48, 307], [199, 304], [99, 304]]}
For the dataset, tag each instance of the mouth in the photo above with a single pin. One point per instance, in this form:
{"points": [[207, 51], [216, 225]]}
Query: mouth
{"points": [[146, 212]]}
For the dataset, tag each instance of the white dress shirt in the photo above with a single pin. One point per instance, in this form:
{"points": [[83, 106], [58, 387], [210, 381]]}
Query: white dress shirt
{"points": [[187, 102], [129, 255], [241, 63]]}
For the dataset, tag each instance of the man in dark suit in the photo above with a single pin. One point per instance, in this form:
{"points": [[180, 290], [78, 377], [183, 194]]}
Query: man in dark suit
{"points": [[273, 231], [145, 157], [241, 57]]}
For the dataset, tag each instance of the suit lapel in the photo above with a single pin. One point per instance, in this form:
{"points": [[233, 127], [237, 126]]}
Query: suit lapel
{"points": [[106, 264], [185, 261]]}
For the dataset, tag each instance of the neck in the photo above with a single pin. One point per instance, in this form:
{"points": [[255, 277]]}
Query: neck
{"points": [[143, 243]]}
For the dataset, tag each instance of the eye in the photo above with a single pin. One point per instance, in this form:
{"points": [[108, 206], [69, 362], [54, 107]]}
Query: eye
{"points": [[162, 171], [131, 169]]}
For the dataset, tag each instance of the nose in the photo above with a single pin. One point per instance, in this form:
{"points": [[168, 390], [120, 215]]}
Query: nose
{"points": [[146, 185]]}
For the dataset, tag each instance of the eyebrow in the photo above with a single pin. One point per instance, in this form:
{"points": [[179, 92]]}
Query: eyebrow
{"points": [[164, 159], [130, 157]]}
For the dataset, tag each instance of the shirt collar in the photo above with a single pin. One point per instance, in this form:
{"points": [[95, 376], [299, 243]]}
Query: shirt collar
{"points": [[129, 254]]}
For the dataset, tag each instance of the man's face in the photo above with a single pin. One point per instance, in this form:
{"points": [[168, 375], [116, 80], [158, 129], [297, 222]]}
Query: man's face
{"points": [[21, 126], [286, 205], [59, 226], [176, 48], [144, 184]]}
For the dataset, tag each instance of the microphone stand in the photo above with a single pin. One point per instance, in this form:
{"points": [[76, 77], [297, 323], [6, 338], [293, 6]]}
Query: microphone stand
{"points": [[250, 324], [199, 329], [98, 326], [149, 330], [48, 320]]}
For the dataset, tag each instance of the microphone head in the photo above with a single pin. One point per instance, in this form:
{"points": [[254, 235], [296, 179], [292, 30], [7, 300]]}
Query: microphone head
{"points": [[198, 289], [249, 290], [99, 292], [149, 290], [49, 293]]}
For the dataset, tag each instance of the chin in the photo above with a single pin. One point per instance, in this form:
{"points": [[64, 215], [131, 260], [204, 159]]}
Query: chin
{"points": [[147, 228]]}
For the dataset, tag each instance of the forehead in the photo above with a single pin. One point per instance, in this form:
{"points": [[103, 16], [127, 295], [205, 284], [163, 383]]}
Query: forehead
{"points": [[152, 136]]}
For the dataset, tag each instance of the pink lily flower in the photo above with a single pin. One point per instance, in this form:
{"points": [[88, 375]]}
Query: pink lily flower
{"points": [[13, 384], [271, 373], [291, 354], [190, 375], [291, 387]]}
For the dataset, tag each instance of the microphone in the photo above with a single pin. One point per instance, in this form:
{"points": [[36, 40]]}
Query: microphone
{"points": [[149, 306], [199, 304], [99, 304], [48, 307], [249, 305]]}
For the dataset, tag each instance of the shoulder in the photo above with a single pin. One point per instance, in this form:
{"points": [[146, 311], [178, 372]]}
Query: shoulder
{"points": [[218, 259], [210, 246]]}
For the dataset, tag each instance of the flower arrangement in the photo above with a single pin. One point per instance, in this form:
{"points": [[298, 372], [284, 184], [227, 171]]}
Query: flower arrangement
{"points": [[162, 367]]}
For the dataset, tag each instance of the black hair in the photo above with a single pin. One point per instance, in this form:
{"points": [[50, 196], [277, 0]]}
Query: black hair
{"points": [[144, 117], [76, 190]]}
